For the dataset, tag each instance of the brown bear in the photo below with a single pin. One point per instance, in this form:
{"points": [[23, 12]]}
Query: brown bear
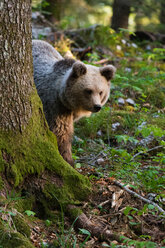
{"points": [[69, 90]]}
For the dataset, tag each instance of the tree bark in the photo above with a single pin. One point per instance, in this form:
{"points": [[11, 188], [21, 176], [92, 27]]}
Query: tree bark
{"points": [[16, 81], [29, 157], [121, 11]]}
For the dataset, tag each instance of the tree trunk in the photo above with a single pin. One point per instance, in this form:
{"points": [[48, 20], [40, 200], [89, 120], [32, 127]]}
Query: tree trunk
{"points": [[52, 10], [121, 11], [162, 13], [29, 158], [16, 65]]}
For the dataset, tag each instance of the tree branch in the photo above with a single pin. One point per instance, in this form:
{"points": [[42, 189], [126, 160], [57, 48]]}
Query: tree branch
{"points": [[139, 196], [143, 152]]}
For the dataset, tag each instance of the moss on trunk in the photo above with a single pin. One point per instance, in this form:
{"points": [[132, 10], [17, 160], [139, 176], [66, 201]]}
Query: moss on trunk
{"points": [[30, 160], [35, 150]]}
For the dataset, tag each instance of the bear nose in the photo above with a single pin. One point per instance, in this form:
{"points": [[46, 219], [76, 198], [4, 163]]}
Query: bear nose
{"points": [[97, 107]]}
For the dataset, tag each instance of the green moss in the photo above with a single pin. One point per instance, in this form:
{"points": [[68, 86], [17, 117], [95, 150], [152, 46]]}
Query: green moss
{"points": [[34, 151], [74, 188], [21, 225], [25, 151], [13, 239], [2, 162], [75, 212], [23, 204], [1, 183]]}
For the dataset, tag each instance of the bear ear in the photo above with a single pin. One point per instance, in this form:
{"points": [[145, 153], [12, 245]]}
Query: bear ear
{"points": [[108, 71], [78, 69]]}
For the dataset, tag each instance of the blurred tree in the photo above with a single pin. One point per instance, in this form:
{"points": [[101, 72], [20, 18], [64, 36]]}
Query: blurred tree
{"points": [[53, 10], [121, 11], [149, 14], [162, 12]]}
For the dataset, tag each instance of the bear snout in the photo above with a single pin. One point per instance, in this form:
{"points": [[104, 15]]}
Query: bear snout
{"points": [[97, 107]]}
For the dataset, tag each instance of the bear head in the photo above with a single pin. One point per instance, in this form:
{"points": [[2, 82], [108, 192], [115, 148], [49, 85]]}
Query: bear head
{"points": [[87, 87]]}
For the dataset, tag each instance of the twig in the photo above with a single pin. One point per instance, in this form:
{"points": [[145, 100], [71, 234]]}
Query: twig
{"points": [[104, 203], [111, 214], [91, 160], [139, 196], [143, 152], [94, 159], [102, 61]]}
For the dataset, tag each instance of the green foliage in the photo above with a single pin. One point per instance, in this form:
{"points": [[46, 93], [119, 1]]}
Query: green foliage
{"points": [[29, 213], [151, 129], [130, 211], [48, 223], [125, 139], [157, 54]]}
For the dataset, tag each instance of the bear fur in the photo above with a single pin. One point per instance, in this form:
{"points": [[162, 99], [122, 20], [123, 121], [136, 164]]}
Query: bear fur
{"points": [[69, 90]]}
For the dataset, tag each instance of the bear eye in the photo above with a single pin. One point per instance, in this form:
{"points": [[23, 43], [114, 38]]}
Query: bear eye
{"points": [[89, 92], [101, 93]]}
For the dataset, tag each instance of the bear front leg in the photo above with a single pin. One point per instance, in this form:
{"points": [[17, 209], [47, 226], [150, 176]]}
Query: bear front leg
{"points": [[64, 131], [65, 149]]}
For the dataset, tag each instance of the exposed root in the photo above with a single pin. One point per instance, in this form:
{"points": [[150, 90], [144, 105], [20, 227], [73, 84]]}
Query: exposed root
{"points": [[96, 229]]}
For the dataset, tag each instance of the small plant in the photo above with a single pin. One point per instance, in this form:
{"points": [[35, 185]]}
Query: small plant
{"points": [[29, 213], [85, 232], [126, 138], [93, 57], [48, 223]]}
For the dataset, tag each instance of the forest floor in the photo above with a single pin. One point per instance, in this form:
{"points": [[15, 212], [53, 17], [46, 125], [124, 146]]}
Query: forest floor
{"points": [[119, 148], [114, 209]]}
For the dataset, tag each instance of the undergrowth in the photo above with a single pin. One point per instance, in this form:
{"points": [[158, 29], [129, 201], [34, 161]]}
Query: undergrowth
{"points": [[126, 141], [140, 126]]}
